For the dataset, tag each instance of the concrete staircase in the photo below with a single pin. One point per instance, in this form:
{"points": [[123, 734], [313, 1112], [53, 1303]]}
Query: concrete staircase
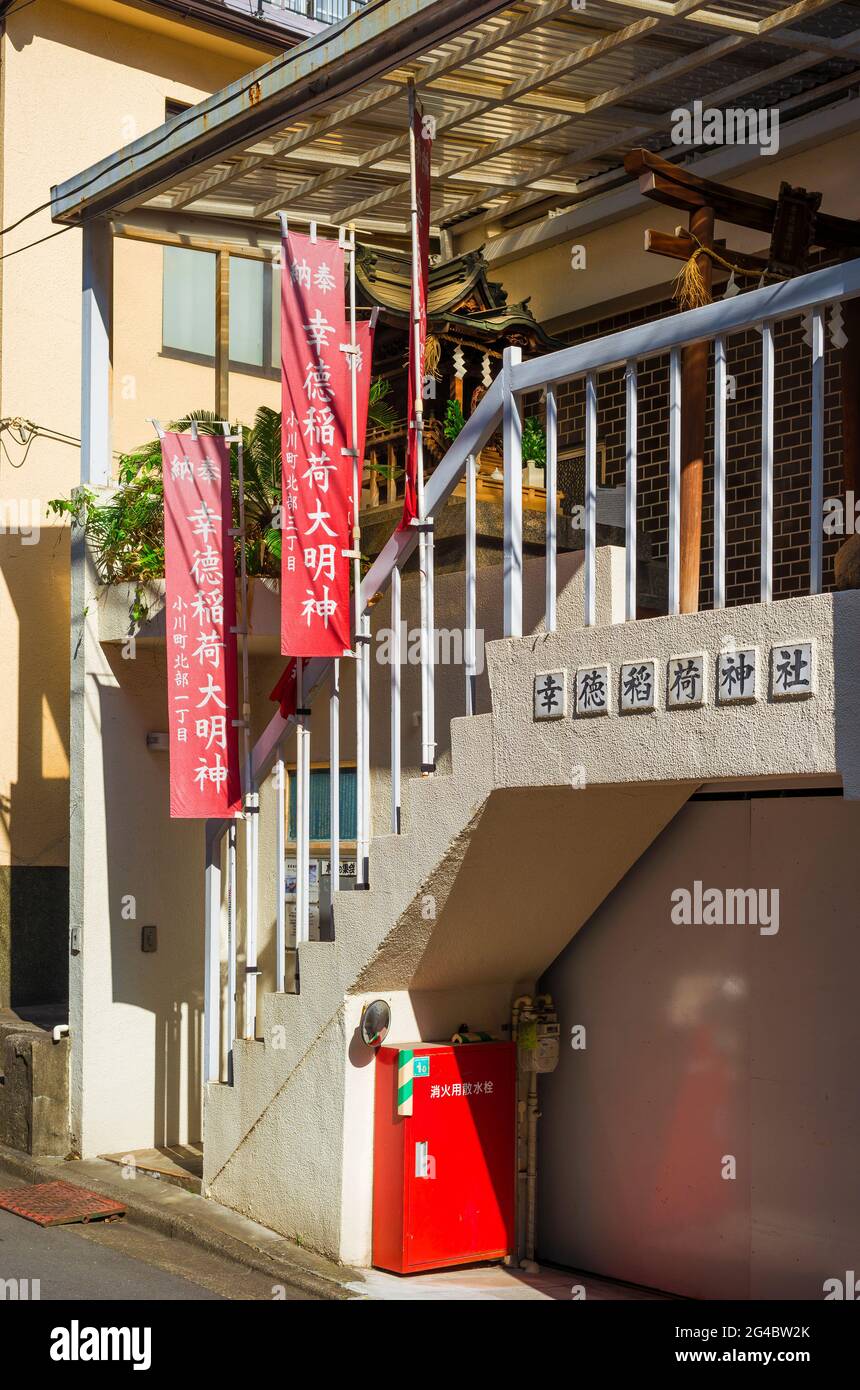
{"points": [[499, 864]]}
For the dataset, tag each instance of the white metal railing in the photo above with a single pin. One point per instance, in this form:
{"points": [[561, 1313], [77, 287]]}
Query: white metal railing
{"points": [[324, 11], [501, 407]]}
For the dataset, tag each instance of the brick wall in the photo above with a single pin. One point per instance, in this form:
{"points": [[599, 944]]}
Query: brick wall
{"points": [[792, 420]]}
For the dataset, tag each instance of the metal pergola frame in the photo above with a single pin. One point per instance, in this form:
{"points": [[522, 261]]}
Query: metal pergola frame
{"points": [[534, 103]]}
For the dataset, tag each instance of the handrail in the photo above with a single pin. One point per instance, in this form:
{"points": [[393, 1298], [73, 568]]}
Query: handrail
{"points": [[725, 316], [478, 429], [785, 300], [501, 408]]}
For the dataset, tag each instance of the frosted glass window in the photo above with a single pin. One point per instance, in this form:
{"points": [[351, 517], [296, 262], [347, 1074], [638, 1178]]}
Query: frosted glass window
{"points": [[247, 311], [188, 301]]}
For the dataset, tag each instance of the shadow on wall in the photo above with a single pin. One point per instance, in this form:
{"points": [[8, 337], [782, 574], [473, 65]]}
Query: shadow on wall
{"points": [[846, 689], [152, 1046], [34, 882]]}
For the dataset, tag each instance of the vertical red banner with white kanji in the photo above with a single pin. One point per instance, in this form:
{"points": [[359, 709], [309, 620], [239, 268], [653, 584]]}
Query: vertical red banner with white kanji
{"points": [[423, 143], [284, 693], [316, 474], [200, 605]]}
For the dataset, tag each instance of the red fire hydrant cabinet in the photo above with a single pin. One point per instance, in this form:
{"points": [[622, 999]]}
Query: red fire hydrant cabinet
{"points": [[444, 1175]]}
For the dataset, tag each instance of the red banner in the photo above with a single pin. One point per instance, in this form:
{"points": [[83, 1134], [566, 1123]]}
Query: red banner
{"points": [[200, 607], [316, 475], [423, 143], [284, 693]]}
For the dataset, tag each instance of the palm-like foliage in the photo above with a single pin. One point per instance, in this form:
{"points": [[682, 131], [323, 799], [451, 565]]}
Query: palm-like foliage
{"points": [[127, 532]]}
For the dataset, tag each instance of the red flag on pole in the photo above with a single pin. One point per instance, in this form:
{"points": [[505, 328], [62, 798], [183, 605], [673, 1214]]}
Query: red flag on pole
{"points": [[284, 693], [316, 475], [201, 613], [421, 144]]}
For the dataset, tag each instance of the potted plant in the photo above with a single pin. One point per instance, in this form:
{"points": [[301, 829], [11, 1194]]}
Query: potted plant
{"points": [[534, 452]]}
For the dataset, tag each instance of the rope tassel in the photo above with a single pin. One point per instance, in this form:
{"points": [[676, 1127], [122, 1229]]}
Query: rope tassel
{"points": [[689, 288]]}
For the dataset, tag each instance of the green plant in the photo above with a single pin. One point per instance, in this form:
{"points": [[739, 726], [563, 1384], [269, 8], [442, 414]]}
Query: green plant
{"points": [[534, 441], [454, 420], [127, 531], [380, 412]]}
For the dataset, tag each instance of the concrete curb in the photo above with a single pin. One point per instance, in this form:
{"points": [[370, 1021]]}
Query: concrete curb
{"points": [[173, 1212]]}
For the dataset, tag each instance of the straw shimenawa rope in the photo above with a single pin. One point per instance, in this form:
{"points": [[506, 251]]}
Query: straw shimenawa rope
{"points": [[432, 355], [689, 288]]}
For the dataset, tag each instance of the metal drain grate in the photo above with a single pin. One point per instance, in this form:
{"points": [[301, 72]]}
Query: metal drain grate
{"points": [[59, 1204]]}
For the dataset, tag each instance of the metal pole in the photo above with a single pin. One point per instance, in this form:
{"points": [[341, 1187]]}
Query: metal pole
{"points": [[675, 481], [302, 811], [425, 523], [334, 779], [767, 393], [719, 472], [471, 581], [630, 496], [418, 382], [212, 951], [816, 495], [364, 668], [551, 485], [251, 798], [361, 626], [512, 436], [280, 850], [396, 658], [231, 946]]}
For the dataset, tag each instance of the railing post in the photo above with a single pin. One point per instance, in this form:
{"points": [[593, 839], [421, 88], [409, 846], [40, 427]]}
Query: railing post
{"points": [[212, 949], [512, 434], [428, 635], [471, 581], [231, 947], [302, 808], [675, 480], [281, 875], [630, 495], [816, 494], [334, 783], [362, 714], [551, 485], [252, 820], [767, 374], [395, 699], [719, 473], [590, 498]]}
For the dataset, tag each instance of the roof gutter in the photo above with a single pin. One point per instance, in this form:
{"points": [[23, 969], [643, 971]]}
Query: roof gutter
{"points": [[328, 65]]}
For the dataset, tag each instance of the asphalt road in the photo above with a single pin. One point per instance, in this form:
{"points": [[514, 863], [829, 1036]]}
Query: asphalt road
{"points": [[117, 1262]]}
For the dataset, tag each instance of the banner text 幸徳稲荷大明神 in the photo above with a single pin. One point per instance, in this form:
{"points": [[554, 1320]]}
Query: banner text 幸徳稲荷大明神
{"points": [[200, 604]]}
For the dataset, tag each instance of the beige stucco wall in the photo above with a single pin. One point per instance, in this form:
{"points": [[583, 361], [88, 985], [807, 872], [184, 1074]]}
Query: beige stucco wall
{"points": [[616, 262], [708, 1040], [78, 80]]}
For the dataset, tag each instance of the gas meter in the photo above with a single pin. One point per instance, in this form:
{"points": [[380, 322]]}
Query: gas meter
{"points": [[537, 1034]]}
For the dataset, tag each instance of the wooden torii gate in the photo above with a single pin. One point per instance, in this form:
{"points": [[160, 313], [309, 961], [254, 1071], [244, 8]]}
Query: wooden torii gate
{"points": [[794, 225]]}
